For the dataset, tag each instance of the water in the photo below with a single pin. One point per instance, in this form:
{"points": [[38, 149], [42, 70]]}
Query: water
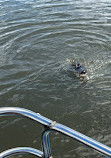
{"points": [[36, 39]]}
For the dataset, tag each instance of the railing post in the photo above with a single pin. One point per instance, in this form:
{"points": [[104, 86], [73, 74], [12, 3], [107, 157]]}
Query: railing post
{"points": [[45, 140], [46, 143]]}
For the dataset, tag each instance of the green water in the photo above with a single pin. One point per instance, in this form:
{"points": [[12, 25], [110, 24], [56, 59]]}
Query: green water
{"points": [[36, 39]]}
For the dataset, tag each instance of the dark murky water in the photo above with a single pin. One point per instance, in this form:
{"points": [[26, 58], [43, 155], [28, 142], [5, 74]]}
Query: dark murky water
{"points": [[36, 39]]}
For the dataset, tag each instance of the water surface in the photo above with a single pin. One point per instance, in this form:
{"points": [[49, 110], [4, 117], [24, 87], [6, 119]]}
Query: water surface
{"points": [[36, 39]]}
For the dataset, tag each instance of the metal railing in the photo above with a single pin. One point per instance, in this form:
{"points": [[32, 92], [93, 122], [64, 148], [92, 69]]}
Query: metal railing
{"points": [[49, 126]]}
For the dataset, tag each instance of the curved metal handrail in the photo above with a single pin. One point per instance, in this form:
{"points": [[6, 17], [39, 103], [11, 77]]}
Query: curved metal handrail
{"points": [[27, 113], [21, 150], [53, 126]]}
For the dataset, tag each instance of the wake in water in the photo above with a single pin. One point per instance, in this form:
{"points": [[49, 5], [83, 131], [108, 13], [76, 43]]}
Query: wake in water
{"points": [[96, 68], [93, 68]]}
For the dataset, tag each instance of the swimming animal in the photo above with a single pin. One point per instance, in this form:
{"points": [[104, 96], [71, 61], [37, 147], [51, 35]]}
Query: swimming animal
{"points": [[78, 69]]}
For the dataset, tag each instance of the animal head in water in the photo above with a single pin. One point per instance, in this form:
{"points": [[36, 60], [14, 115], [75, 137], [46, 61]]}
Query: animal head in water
{"points": [[80, 70]]}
